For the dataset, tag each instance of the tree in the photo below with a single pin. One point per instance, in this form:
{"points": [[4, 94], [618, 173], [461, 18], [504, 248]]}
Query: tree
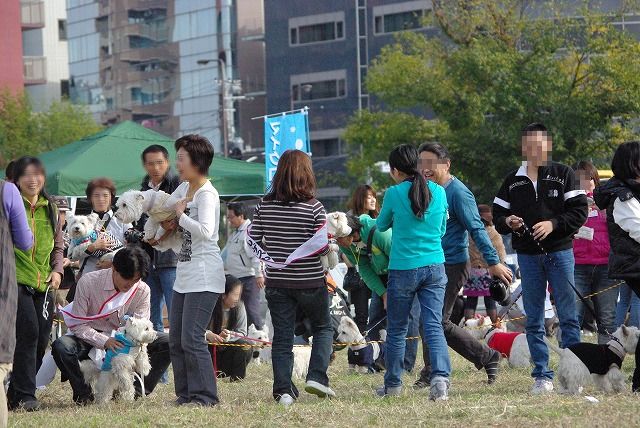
{"points": [[498, 66], [24, 132]]}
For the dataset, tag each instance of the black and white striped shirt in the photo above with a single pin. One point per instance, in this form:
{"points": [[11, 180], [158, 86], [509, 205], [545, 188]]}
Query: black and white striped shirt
{"points": [[279, 228]]}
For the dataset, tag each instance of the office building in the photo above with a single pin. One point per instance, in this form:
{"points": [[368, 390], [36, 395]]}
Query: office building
{"points": [[170, 65]]}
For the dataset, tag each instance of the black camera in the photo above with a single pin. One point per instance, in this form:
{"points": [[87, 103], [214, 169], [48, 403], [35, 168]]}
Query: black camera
{"points": [[133, 236], [500, 292]]}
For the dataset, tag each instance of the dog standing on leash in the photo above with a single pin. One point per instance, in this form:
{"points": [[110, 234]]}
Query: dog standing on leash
{"points": [[361, 355], [583, 362], [512, 345], [118, 369]]}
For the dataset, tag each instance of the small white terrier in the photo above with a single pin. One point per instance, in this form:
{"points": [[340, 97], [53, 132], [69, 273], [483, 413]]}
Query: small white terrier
{"points": [[117, 371], [82, 233], [512, 345], [159, 206], [585, 362], [301, 357], [262, 336], [360, 355]]}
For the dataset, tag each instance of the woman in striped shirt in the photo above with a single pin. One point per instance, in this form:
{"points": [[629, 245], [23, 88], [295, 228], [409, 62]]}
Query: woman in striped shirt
{"points": [[286, 218]]}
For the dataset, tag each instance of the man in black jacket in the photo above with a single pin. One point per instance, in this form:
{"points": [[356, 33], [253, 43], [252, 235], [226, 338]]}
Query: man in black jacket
{"points": [[542, 205], [162, 274]]}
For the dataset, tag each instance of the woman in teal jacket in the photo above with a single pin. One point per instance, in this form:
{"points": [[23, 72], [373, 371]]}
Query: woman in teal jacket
{"points": [[417, 210]]}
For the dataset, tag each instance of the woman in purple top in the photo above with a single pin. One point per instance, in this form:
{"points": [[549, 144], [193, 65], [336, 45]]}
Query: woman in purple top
{"points": [[14, 230]]}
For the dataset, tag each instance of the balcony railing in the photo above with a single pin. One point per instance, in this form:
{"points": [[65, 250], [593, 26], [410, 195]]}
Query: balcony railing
{"points": [[35, 70], [32, 14]]}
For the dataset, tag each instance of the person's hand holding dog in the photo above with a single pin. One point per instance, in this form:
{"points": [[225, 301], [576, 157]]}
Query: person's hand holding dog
{"points": [[181, 206], [100, 244], [113, 345]]}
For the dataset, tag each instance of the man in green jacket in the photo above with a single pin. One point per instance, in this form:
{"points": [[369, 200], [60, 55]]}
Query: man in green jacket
{"points": [[352, 235]]}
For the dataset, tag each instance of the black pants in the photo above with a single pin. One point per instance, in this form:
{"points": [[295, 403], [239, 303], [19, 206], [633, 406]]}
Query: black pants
{"points": [[68, 351], [232, 361], [360, 300], [459, 339], [32, 339], [635, 384]]}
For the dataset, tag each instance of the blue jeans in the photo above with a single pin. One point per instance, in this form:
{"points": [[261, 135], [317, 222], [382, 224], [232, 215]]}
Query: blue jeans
{"points": [[428, 283], [283, 304], [592, 279], [629, 302], [377, 312], [557, 269], [160, 282]]}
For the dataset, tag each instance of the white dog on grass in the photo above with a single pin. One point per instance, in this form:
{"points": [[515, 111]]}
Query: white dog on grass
{"points": [[585, 362], [118, 369], [511, 345]]}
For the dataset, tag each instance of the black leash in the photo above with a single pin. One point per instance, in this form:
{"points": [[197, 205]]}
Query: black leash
{"points": [[524, 230]]}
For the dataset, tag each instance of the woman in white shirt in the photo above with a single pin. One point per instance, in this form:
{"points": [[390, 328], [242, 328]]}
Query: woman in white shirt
{"points": [[199, 274]]}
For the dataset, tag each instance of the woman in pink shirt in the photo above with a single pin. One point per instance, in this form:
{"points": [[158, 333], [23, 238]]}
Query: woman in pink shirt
{"points": [[591, 251]]}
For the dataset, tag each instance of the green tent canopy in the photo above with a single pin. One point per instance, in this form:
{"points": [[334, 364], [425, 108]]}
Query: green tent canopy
{"points": [[115, 153]]}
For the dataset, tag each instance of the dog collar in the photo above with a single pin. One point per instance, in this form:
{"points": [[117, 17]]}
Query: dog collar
{"points": [[616, 347], [493, 327], [90, 237]]}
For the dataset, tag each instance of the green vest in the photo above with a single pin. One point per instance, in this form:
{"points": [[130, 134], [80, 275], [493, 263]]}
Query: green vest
{"points": [[34, 266]]}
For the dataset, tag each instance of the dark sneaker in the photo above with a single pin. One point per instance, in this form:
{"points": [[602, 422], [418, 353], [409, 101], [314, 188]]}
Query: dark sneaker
{"points": [[26, 406], [439, 389], [422, 383], [84, 400], [390, 391], [493, 367]]}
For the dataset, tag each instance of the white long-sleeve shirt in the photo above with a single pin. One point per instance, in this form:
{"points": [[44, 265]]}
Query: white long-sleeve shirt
{"points": [[626, 214], [200, 266]]}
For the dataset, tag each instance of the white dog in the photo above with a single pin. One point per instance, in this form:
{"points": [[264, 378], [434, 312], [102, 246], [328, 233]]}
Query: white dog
{"points": [[82, 233], [301, 357], [511, 345], [360, 355], [262, 336], [118, 369], [159, 206], [583, 362]]}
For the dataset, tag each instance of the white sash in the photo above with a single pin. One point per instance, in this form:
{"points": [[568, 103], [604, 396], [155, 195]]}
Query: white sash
{"points": [[312, 246], [108, 307]]}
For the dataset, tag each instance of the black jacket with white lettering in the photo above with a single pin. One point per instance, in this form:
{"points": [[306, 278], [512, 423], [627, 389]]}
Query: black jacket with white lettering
{"points": [[558, 198]]}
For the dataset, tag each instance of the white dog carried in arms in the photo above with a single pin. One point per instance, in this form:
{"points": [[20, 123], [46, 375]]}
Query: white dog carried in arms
{"points": [[118, 369], [159, 206]]}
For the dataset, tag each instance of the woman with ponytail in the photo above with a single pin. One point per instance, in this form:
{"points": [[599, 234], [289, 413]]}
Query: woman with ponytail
{"points": [[417, 211]]}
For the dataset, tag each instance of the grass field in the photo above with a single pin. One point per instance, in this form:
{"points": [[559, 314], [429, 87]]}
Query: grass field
{"points": [[249, 404]]}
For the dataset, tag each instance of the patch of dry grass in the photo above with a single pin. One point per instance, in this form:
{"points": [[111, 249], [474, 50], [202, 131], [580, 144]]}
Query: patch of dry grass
{"points": [[249, 404]]}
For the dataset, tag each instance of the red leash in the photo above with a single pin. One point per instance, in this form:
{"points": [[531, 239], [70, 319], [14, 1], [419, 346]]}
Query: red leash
{"points": [[239, 336], [214, 357]]}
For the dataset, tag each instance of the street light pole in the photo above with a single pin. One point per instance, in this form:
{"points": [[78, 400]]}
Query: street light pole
{"points": [[223, 90]]}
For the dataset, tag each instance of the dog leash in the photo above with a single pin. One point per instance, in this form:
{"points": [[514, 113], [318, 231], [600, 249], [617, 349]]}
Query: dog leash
{"points": [[366, 333], [525, 230]]}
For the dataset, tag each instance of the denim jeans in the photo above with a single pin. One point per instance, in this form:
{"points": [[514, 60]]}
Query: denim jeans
{"points": [[629, 302], [193, 374], [377, 312], [160, 282], [283, 304], [557, 269], [251, 299], [592, 279], [428, 283]]}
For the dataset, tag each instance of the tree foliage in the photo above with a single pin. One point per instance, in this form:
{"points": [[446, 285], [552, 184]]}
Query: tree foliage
{"points": [[25, 132], [495, 67]]}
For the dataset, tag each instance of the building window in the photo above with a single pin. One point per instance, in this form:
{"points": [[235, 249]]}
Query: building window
{"points": [[325, 147], [138, 42], [146, 16], [317, 33], [62, 29], [322, 90], [401, 21], [64, 88]]}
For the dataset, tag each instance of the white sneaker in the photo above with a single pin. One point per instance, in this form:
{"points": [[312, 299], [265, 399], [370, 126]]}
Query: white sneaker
{"points": [[542, 386], [286, 400], [318, 389]]}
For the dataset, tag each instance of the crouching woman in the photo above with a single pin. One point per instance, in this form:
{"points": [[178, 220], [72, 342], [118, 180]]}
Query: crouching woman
{"points": [[229, 321]]}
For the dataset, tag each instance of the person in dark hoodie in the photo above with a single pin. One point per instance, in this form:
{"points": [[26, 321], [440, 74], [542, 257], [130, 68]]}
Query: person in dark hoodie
{"points": [[542, 206], [620, 197], [162, 274]]}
